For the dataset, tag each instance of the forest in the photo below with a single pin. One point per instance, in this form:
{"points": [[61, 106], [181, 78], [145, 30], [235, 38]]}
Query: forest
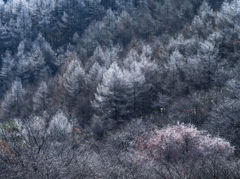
{"points": [[118, 89]]}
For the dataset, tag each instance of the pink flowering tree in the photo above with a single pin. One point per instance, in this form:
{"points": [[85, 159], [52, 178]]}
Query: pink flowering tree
{"points": [[181, 143]]}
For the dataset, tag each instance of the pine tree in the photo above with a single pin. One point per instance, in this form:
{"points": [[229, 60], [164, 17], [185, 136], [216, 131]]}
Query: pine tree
{"points": [[8, 65], [122, 92], [74, 77], [40, 98], [5, 39], [7, 75], [111, 100], [13, 103]]}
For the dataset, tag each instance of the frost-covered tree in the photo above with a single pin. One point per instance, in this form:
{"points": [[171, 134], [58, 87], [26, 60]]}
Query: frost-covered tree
{"points": [[123, 91], [40, 98], [30, 66], [60, 122], [76, 89], [143, 72], [224, 116], [111, 103], [181, 143], [74, 77], [125, 28], [105, 57], [207, 66], [13, 104], [4, 37], [95, 73], [7, 66]]}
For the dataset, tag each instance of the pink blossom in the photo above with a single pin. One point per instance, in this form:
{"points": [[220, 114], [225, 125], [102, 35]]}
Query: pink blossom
{"points": [[181, 142]]}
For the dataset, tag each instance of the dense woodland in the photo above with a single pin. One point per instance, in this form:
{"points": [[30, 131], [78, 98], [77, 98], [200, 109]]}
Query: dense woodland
{"points": [[120, 89]]}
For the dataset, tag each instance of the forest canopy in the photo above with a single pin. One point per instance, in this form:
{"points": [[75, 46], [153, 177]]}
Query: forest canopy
{"points": [[119, 89]]}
